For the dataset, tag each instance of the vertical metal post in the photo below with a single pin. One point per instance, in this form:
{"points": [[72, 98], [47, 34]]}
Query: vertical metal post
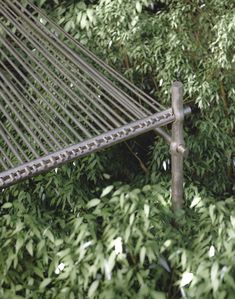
{"points": [[177, 146]]}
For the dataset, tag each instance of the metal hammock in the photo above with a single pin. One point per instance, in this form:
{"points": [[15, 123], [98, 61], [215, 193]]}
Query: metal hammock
{"points": [[58, 101]]}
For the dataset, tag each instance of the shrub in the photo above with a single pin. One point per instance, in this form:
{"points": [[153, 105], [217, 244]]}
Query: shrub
{"points": [[155, 42], [125, 243]]}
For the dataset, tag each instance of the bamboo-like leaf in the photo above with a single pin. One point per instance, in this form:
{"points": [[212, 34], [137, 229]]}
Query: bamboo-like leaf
{"points": [[6, 205], [19, 244], [45, 283], [142, 255], [29, 247], [93, 288], [83, 22], [93, 203], [106, 191], [138, 7]]}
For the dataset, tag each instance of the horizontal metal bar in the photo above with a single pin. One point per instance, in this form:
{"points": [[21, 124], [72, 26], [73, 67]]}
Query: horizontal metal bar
{"points": [[37, 58], [84, 148], [163, 133], [167, 137]]}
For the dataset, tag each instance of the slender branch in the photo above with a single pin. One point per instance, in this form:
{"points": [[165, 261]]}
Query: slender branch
{"points": [[223, 96], [142, 165]]}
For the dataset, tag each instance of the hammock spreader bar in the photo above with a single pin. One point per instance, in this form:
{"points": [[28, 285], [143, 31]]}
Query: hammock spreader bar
{"points": [[59, 102]]}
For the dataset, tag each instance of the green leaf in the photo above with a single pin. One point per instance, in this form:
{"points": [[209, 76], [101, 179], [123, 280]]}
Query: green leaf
{"points": [[45, 283], [186, 279], [7, 205], [212, 213], [90, 14], [29, 247], [106, 191], [132, 218], [42, 2], [142, 255], [49, 234], [138, 7], [63, 253], [147, 188], [72, 296], [83, 22], [127, 234], [214, 276], [93, 288], [146, 210], [157, 295], [93, 203], [79, 17], [59, 242], [184, 259], [38, 271], [19, 244], [195, 201], [17, 297], [68, 25], [18, 287], [41, 247], [232, 219]]}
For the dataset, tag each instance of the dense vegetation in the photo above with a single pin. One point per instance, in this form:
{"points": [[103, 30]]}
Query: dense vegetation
{"points": [[103, 227]]}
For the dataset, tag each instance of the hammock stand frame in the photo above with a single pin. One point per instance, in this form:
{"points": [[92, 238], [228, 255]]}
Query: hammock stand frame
{"points": [[142, 124]]}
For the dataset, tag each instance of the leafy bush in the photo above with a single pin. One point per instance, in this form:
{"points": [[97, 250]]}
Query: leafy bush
{"points": [[156, 42], [63, 237], [126, 243]]}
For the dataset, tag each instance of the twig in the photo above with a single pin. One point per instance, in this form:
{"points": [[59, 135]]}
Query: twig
{"points": [[142, 165]]}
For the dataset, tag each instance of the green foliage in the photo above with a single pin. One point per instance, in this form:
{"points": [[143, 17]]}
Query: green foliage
{"points": [[65, 236], [126, 243], [191, 41], [208, 255]]}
